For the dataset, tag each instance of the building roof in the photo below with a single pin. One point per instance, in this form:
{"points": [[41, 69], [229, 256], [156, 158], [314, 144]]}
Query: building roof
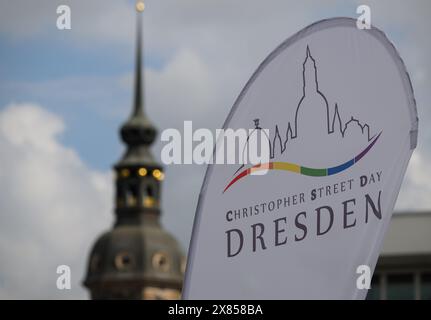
{"points": [[409, 234]]}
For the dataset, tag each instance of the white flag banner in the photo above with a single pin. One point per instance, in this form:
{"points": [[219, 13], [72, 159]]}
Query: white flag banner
{"points": [[342, 124]]}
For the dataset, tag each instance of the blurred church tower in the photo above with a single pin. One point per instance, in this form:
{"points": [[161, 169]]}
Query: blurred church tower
{"points": [[137, 259]]}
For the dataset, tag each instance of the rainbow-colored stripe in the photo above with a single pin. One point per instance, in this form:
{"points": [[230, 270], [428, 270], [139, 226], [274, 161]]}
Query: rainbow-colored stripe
{"points": [[306, 171]]}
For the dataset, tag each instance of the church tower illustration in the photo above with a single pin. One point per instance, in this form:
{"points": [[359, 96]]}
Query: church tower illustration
{"points": [[312, 123], [137, 258], [255, 140], [313, 109]]}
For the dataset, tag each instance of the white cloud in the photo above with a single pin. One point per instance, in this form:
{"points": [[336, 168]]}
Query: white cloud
{"points": [[52, 205]]}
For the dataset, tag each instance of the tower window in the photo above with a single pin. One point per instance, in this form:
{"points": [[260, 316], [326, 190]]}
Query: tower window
{"points": [[149, 198], [161, 261], [121, 196], [132, 196], [148, 202], [150, 192], [131, 200], [125, 173], [123, 261]]}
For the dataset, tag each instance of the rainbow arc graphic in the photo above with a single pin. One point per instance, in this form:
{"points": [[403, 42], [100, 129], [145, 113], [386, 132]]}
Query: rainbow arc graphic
{"points": [[306, 171]]}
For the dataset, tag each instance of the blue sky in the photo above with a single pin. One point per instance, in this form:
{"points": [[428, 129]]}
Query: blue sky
{"points": [[28, 67], [74, 82]]}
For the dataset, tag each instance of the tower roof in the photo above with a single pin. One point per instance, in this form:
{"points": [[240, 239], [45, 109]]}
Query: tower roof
{"points": [[138, 133], [137, 258]]}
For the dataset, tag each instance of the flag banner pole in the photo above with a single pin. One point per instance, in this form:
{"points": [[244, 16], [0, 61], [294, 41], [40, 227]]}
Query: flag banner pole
{"points": [[334, 107]]}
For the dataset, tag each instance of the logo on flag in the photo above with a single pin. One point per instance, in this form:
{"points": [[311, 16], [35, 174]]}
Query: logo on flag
{"points": [[336, 128]]}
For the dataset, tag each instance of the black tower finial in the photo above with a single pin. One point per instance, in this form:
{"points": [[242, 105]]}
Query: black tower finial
{"points": [[139, 81]]}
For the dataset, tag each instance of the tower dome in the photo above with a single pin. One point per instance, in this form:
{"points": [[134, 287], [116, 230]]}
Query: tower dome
{"points": [[312, 113], [135, 262]]}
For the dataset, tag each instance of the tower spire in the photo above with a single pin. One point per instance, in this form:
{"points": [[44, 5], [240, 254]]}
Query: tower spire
{"points": [[138, 103], [138, 131]]}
